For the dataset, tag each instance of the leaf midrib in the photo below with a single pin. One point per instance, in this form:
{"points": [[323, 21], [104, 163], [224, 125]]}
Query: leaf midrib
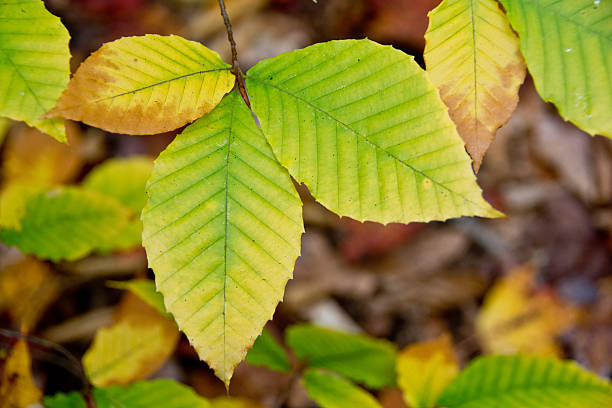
{"points": [[160, 83], [437, 183], [226, 224]]}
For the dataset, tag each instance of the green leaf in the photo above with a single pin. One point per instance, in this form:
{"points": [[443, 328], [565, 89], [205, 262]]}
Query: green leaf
{"points": [[222, 230], [144, 394], [126, 180], [525, 382], [34, 64], [145, 85], [568, 48], [363, 127], [267, 352], [66, 223], [144, 289], [361, 358], [331, 391]]}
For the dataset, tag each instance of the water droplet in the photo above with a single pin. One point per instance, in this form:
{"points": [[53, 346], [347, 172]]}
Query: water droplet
{"points": [[568, 50]]}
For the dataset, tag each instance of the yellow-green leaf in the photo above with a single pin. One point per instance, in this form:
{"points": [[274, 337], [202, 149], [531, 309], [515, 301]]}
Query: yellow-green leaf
{"points": [[424, 370], [143, 394], [526, 382], [269, 353], [34, 64], [145, 85], [473, 57], [358, 357], [222, 230], [567, 45], [145, 290], [124, 179], [65, 223], [363, 127], [332, 391]]}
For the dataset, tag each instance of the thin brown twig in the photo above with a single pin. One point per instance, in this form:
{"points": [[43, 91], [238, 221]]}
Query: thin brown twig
{"points": [[236, 70]]}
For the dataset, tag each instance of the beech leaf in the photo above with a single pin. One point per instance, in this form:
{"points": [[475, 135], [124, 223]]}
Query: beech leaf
{"points": [[363, 127], [473, 57], [222, 229], [145, 85]]}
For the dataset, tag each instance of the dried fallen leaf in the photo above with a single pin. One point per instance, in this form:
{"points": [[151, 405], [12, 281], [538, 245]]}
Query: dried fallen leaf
{"points": [[133, 348], [27, 288], [17, 388], [424, 370], [33, 158], [516, 319]]}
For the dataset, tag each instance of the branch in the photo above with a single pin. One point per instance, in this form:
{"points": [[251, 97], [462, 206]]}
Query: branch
{"points": [[235, 65]]}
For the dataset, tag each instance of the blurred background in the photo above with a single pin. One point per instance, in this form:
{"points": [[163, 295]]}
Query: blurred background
{"points": [[539, 281]]}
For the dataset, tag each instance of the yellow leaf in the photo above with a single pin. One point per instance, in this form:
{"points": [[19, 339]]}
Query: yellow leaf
{"points": [[13, 200], [424, 370], [17, 388], [27, 288], [133, 348], [514, 319], [473, 57], [145, 85]]}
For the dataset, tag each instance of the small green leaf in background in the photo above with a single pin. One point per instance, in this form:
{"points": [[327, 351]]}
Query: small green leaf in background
{"points": [[526, 382], [567, 45], [363, 127], [222, 230], [424, 370], [145, 394], [124, 179], [145, 290], [332, 391], [34, 64], [66, 223], [13, 200], [360, 358], [268, 352]]}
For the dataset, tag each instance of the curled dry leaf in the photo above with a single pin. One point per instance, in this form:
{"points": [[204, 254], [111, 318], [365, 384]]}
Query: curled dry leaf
{"points": [[145, 85], [473, 56]]}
